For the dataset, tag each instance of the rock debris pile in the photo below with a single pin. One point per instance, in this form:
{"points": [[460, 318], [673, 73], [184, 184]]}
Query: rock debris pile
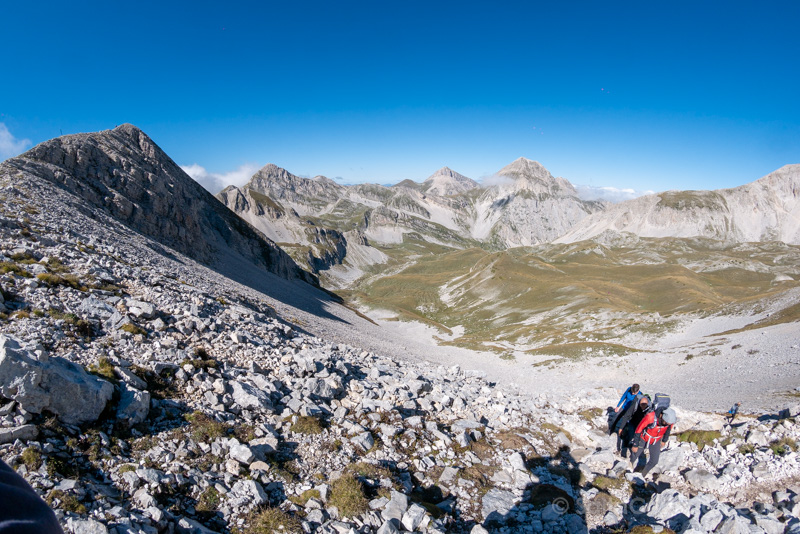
{"points": [[138, 394]]}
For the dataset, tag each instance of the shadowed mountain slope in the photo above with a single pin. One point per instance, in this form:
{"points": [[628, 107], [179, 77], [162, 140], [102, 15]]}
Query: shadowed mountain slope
{"points": [[123, 172]]}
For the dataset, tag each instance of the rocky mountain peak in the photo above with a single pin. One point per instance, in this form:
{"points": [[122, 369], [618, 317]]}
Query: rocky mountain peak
{"points": [[525, 168], [532, 175], [281, 184], [125, 174], [446, 182]]}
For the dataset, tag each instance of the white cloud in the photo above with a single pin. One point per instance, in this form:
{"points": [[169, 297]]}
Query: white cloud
{"points": [[216, 182], [610, 194], [495, 180], [9, 145]]}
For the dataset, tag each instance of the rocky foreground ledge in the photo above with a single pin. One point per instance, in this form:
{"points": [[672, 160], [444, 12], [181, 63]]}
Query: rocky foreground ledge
{"points": [[139, 397]]}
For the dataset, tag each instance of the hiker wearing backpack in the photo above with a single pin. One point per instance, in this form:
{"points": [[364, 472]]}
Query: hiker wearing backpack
{"points": [[628, 421], [732, 412], [629, 396], [653, 432]]}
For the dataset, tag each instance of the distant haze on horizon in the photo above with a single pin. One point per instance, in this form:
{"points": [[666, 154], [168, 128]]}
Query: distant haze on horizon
{"points": [[618, 99]]}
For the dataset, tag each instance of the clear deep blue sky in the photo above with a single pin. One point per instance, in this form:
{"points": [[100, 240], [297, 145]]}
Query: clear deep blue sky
{"points": [[643, 95]]}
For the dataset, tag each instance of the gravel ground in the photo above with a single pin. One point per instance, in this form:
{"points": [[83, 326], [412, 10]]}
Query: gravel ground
{"points": [[761, 371]]}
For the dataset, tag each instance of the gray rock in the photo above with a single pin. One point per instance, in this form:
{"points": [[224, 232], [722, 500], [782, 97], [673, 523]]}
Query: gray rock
{"points": [[140, 309], [190, 526], [700, 478], [57, 385], [24, 433], [130, 378], [94, 307], [517, 462], [574, 523], [246, 494], [134, 405], [757, 438], [670, 460], [86, 526], [610, 519], [396, 507], [144, 499], [497, 503], [242, 453], [388, 527], [413, 517], [668, 505], [600, 461], [761, 469], [711, 519], [364, 441], [462, 438], [735, 525], [448, 475], [249, 397], [770, 525]]}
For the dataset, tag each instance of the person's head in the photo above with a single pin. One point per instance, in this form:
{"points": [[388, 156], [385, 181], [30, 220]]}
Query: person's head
{"points": [[635, 388], [644, 401], [738, 404]]}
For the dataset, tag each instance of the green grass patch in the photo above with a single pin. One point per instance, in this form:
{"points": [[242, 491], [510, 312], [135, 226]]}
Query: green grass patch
{"points": [[555, 429], [783, 446], [81, 326], [347, 495], [747, 448], [204, 428], [270, 521], [208, 501], [590, 414], [605, 483], [302, 499], [307, 424], [66, 501], [103, 368], [67, 280], [32, 458], [701, 438], [7, 267], [133, 329]]}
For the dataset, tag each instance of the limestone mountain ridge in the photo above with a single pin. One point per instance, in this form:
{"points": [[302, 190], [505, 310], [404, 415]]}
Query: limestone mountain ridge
{"points": [[125, 174]]}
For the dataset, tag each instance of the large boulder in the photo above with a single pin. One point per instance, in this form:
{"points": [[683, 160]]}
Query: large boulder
{"points": [[669, 505], [53, 384]]}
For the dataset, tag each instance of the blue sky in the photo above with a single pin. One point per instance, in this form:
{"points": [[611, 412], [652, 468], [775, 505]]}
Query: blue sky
{"points": [[639, 95]]}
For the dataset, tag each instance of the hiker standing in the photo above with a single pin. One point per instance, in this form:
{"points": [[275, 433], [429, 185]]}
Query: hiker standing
{"points": [[732, 412], [629, 420], [627, 397], [653, 432]]}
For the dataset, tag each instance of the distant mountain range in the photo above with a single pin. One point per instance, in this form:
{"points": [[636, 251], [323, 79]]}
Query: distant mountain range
{"points": [[335, 229], [520, 261]]}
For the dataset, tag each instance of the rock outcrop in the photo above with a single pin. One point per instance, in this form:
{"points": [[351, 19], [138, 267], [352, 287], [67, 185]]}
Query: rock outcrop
{"points": [[123, 172], [56, 385]]}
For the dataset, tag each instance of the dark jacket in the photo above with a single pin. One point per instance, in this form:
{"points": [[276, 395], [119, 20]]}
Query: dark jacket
{"points": [[22, 511]]}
